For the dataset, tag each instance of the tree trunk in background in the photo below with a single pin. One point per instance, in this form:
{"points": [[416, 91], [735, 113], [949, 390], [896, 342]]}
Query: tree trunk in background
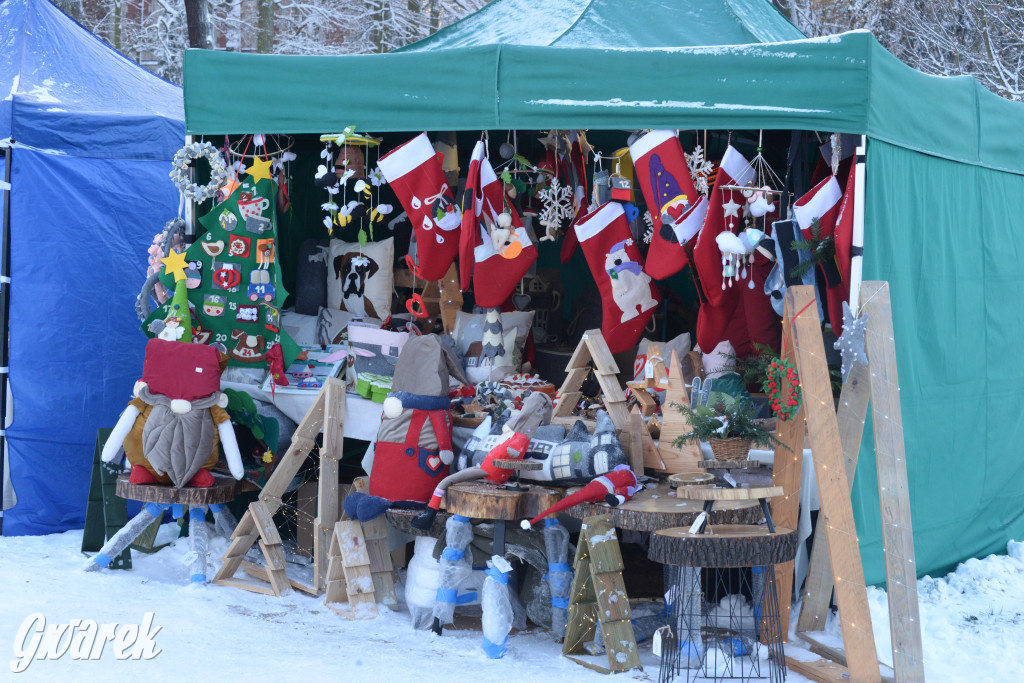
{"points": [[73, 8], [265, 36], [435, 16], [116, 42], [198, 19]]}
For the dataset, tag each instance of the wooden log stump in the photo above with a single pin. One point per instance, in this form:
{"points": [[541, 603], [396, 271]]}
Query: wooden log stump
{"points": [[727, 545], [223, 490], [659, 508], [483, 500]]}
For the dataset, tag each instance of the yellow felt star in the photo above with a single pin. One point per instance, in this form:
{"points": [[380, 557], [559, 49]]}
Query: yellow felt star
{"points": [[259, 169], [174, 263]]}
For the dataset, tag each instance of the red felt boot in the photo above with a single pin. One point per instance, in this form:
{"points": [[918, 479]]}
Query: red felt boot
{"points": [[201, 480], [140, 475]]}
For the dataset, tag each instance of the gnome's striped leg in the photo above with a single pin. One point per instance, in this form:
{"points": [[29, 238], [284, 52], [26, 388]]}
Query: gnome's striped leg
{"points": [[497, 607], [559, 576], [123, 538], [455, 568], [199, 536], [425, 519]]}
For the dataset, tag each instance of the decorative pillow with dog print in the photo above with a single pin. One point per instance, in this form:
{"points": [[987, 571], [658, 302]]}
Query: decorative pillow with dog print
{"points": [[360, 280]]}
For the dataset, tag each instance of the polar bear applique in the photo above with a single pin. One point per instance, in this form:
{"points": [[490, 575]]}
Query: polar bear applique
{"points": [[631, 286]]}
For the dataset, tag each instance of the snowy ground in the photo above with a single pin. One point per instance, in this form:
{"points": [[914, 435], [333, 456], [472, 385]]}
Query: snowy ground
{"points": [[973, 625]]}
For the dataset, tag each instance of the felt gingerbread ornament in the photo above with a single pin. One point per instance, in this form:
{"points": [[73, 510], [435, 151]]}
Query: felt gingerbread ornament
{"points": [[628, 295], [171, 429], [493, 242], [664, 179], [414, 172]]}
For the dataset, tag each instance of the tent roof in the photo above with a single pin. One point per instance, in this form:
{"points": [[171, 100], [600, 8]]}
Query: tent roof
{"points": [[846, 83], [616, 23], [65, 89]]}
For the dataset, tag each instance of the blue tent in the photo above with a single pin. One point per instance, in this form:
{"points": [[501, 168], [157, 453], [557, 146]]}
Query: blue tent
{"points": [[87, 137]]}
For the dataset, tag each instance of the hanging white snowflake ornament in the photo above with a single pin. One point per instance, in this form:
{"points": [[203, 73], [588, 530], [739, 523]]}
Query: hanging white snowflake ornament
{"points": [[700, 169], [649, 230], [556, 202]]}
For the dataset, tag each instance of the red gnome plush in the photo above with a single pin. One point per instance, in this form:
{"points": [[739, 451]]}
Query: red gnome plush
{"points": [[614, 488]]}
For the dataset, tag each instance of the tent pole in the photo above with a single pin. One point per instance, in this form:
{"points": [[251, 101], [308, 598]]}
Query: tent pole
{"points": [[857, 252], [5, 300]]}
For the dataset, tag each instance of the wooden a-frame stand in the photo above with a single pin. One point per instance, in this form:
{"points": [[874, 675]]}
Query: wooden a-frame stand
{"points": [[835, 443], [592, 347], [257, 525], [598, 599]]}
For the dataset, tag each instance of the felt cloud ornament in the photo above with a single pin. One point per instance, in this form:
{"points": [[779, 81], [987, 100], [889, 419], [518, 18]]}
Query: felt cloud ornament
{"points": [[737, 253]]}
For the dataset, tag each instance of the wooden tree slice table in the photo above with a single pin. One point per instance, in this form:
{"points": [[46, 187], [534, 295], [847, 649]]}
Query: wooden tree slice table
{"points": [[711, 495], [724, 545], [660, 508], [223, 490], [484, 500]]}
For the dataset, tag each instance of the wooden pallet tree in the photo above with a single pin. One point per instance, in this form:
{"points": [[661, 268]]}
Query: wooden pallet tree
{"points": [[674, 424], [593, 347], [257, 526], [598, 599], [348, 573]]}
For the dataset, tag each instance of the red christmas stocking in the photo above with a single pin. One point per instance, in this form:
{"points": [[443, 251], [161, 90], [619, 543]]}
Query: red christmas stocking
{"points": [[823, 202], [414, 172], [501, 257], [664, 180], [664, 258], [577, 180], [627, 292]]}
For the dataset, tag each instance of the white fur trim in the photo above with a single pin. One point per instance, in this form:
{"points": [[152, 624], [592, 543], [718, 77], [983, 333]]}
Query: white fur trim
{"points": [[392, 407], [139, 386], [692, 222], [736, 167], [598, 220], [645, 143], [406, 158], [816, 205], [222, 400], [180, 406]]}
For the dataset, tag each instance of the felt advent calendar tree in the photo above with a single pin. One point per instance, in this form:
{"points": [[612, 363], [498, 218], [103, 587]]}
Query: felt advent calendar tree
{"points": [[233, 278]]}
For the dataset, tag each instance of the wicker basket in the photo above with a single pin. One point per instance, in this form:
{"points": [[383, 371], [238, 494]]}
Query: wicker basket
{"points": [[730, 449]]}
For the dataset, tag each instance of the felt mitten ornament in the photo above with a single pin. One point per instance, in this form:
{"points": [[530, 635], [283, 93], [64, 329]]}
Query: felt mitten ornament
{"points": [[415, 174], [629, 296], [664, 179], [494, 245]]}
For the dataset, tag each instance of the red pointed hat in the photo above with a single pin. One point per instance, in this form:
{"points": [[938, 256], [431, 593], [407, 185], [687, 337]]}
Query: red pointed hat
{"points": [[621, 481]]}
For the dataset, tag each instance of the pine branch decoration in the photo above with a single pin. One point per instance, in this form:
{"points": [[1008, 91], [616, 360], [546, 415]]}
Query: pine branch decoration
{"points": [[821, 250]]}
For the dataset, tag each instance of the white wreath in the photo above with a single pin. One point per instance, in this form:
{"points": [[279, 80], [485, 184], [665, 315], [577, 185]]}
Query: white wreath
{"points": [[179, 171]]}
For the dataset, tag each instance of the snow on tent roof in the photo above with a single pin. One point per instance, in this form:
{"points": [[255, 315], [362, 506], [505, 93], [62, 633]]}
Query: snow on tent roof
{"points": [[615, 23], [64, 89]]}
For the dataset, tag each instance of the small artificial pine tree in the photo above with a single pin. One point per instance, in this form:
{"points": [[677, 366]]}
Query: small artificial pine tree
{"points": [[820, 248]]}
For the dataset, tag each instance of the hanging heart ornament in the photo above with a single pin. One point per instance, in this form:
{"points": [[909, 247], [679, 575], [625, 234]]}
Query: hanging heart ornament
{"points": [[782, 385]]}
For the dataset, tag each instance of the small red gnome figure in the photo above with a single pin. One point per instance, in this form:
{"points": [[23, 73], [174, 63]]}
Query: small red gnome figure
{"points": [[614, 488]]}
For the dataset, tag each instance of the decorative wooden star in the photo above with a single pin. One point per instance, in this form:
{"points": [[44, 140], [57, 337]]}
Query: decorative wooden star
{"points": [[175, 264], [259, 169], [851, 343]]}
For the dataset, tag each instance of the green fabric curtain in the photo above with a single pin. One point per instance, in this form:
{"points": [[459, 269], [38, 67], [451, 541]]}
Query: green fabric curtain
{"points": [[944, 236]]}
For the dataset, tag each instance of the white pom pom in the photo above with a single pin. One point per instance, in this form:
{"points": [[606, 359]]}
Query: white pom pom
{"points": [[504, 220], [525, 524], [222, 400], [392, 407], [139, 386], [180, 406]]}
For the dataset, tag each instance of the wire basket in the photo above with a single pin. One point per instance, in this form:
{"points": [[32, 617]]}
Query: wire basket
{"points": [[730, 449]]}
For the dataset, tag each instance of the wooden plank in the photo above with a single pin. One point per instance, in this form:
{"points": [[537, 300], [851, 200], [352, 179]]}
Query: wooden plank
{"points": [[652, 457], [600, 353], [327, 486], [264, 523], [833, 488], [620, 643], [278, 578], [351, 544], [565, 403], [819, 670], [603, 545], [893, 487], [823, 650], [581, 356], [313, 420], [245, 584], [648, 406], [336, 590], [611, 598], [613, 392], [853, 409], [451, 298], [358, 580], [245, 526], [274, 556], [576, 376], [618, 414], [635, 442], [675, 424], [787, 467]]}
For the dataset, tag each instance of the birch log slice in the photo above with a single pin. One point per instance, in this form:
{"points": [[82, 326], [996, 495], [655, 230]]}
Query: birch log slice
{"points": [[483, 500]]}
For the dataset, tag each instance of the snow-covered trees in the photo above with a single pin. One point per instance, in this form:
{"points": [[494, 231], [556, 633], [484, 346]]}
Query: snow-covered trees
{"points": [[980, 38]]}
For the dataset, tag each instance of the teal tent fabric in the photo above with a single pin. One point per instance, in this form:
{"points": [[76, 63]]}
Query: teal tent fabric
{"points": [[615, 24], [946, 238]]}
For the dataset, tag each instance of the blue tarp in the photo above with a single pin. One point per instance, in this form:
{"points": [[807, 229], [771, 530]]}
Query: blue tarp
{"points": [[92, 135]]}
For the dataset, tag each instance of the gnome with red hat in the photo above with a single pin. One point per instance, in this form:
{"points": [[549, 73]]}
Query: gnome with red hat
{"points": [[614, 488]]}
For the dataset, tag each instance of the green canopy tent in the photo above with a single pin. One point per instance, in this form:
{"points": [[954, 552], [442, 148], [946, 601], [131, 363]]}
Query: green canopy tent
{"points": [[945, 167]]}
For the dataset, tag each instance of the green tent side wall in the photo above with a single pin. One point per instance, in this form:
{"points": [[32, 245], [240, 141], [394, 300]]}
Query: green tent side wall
{"points": [[945, 168]]}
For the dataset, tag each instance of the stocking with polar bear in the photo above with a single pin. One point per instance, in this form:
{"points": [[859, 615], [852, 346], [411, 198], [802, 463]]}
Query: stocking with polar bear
{"points": [[629, 296]]}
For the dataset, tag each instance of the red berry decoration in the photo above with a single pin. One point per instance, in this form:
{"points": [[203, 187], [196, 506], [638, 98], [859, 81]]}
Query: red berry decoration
{"points": [[782, 374]]}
